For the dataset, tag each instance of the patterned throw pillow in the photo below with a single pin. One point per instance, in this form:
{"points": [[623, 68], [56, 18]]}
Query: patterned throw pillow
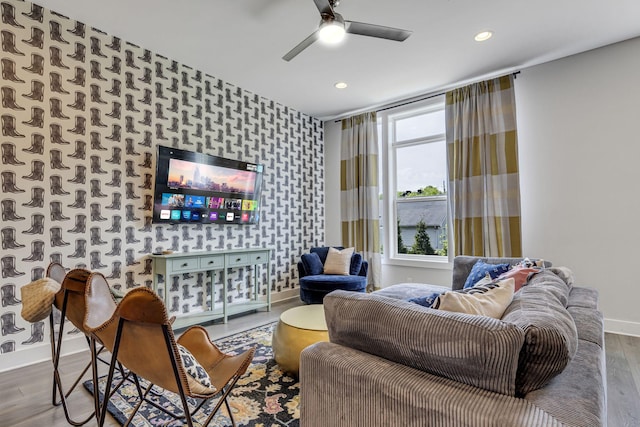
{"points": [[480, 269], [426, 301], [489, 300], [338, 261], [520, 275], [193, 368]]}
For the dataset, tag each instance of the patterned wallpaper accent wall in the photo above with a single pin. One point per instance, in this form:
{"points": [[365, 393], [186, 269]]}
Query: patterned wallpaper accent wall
{"points": [[82, 114]]}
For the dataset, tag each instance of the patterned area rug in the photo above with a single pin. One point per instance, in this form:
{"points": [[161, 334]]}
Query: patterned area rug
{"points": [[263, 397]]}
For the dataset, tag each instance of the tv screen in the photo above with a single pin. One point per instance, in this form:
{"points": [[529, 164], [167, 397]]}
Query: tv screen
{"points": [[193, 187]]}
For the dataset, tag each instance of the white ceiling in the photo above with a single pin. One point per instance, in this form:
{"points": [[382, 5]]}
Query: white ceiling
{"points": [[243, 41]]}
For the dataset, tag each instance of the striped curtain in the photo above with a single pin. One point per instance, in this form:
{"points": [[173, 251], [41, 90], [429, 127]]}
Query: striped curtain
{"points": [[359, 191], [482, 155]]}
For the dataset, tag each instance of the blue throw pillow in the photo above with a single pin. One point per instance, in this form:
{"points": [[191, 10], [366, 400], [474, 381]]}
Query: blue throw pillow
{"points": [[426, 301], [356, 264], [480, 270], [312, 264]]}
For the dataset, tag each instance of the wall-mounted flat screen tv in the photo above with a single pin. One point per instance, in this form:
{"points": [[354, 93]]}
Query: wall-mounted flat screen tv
{"points": [[199, 188]]}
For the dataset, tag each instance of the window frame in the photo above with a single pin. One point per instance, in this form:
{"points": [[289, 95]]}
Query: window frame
{"points": [[389, 215]]}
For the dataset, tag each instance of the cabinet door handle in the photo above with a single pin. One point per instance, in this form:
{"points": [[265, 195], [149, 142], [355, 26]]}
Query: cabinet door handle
{"points": [[185, 264], [238, 259], [258, 258], [211, 262]]}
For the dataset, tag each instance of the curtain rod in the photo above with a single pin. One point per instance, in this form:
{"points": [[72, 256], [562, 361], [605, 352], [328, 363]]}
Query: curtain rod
{"points": [[418, 99]]}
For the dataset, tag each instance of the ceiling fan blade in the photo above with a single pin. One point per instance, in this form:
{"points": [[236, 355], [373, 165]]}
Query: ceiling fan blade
{"points": [[324, 6], [378, 31], [301, 46]]}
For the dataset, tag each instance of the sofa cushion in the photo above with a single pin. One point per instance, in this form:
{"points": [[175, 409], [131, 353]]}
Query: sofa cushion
{"points": [[481, 269], [312, 264], [406, 291], [484, 300], [551, 337], [583, 297], [338, 261], [331, 282], [474, 350]]}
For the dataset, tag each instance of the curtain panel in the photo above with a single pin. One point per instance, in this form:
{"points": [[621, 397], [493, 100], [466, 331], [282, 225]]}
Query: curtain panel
{"points": [[359, 191], [482, 155]]}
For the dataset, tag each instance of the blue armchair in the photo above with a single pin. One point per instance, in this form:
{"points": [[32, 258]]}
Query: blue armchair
{"points": [[314, 284]]}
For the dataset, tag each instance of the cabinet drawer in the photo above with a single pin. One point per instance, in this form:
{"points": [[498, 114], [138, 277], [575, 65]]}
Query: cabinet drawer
{"points": [[259, 257], [185, 264], [211, 262], [235, 260]]}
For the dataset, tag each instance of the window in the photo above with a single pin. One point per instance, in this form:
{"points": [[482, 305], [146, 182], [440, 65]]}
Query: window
{"points": [[414, 182]]}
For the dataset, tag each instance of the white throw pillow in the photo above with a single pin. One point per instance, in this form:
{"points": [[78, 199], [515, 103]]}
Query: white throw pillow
{"points": [[486, 300], [338, 261]]}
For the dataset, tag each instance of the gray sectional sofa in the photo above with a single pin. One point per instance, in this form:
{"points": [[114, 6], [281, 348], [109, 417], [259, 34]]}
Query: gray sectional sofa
{"points": [[391, 362]]}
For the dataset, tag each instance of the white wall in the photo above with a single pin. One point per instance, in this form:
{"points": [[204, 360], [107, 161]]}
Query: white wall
{"points": [[579, 151]]}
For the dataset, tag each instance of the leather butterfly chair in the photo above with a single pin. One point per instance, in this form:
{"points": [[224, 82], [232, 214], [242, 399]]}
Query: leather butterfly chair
{"points": [[70, 301], [139, 335]]}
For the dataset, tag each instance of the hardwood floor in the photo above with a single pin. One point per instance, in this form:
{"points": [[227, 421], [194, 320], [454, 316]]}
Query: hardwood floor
{"points": [[25, 393]]}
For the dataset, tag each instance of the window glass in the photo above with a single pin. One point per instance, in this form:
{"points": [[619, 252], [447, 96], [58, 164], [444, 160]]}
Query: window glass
{"points": [[414, 182], [430, 123]]}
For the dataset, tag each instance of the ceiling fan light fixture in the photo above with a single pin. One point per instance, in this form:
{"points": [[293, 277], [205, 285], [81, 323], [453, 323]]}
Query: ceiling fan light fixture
{"points": [[341, 85], [332, 30], [483, 36]]}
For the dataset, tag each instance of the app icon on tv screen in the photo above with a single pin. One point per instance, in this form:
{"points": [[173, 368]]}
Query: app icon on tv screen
{"points": [[215, 202], [165, 214], [249, 205], [213, 216], [194, 201], [230, 216], [176, 214], [186, 215], [173, 200]]}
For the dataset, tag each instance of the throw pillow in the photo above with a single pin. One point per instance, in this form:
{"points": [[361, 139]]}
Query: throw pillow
{"points": [[37, 299], [312, 263], [356, 264], [193, 368], [426, 301], [338, 261], [487, 300], [480, 269], [520, 275]]}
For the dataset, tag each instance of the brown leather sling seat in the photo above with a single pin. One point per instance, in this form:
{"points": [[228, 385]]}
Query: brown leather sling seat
{"points": [[140, 336]]}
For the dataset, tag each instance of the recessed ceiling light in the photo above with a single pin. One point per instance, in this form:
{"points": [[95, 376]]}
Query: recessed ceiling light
{"points": [[483, 35], [340, 85]]}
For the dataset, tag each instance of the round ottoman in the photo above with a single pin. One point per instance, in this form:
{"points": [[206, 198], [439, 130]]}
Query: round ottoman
{"points": [[314, 288], [298, 328]]}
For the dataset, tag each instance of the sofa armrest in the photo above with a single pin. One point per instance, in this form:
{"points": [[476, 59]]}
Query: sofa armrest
{"points": [[474, 350], [340, 386], [301, 271]]}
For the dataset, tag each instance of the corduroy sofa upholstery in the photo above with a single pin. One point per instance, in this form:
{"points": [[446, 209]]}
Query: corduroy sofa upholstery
{"points": [[391, 362]]}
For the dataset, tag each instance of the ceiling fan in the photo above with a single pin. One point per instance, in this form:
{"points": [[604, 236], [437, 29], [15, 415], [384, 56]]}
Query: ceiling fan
{"points": [[333, 27]]}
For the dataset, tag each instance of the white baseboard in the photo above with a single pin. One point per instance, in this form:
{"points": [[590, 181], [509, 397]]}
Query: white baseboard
{"points": [[41, 353], [285, 295], [622, 327]]}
